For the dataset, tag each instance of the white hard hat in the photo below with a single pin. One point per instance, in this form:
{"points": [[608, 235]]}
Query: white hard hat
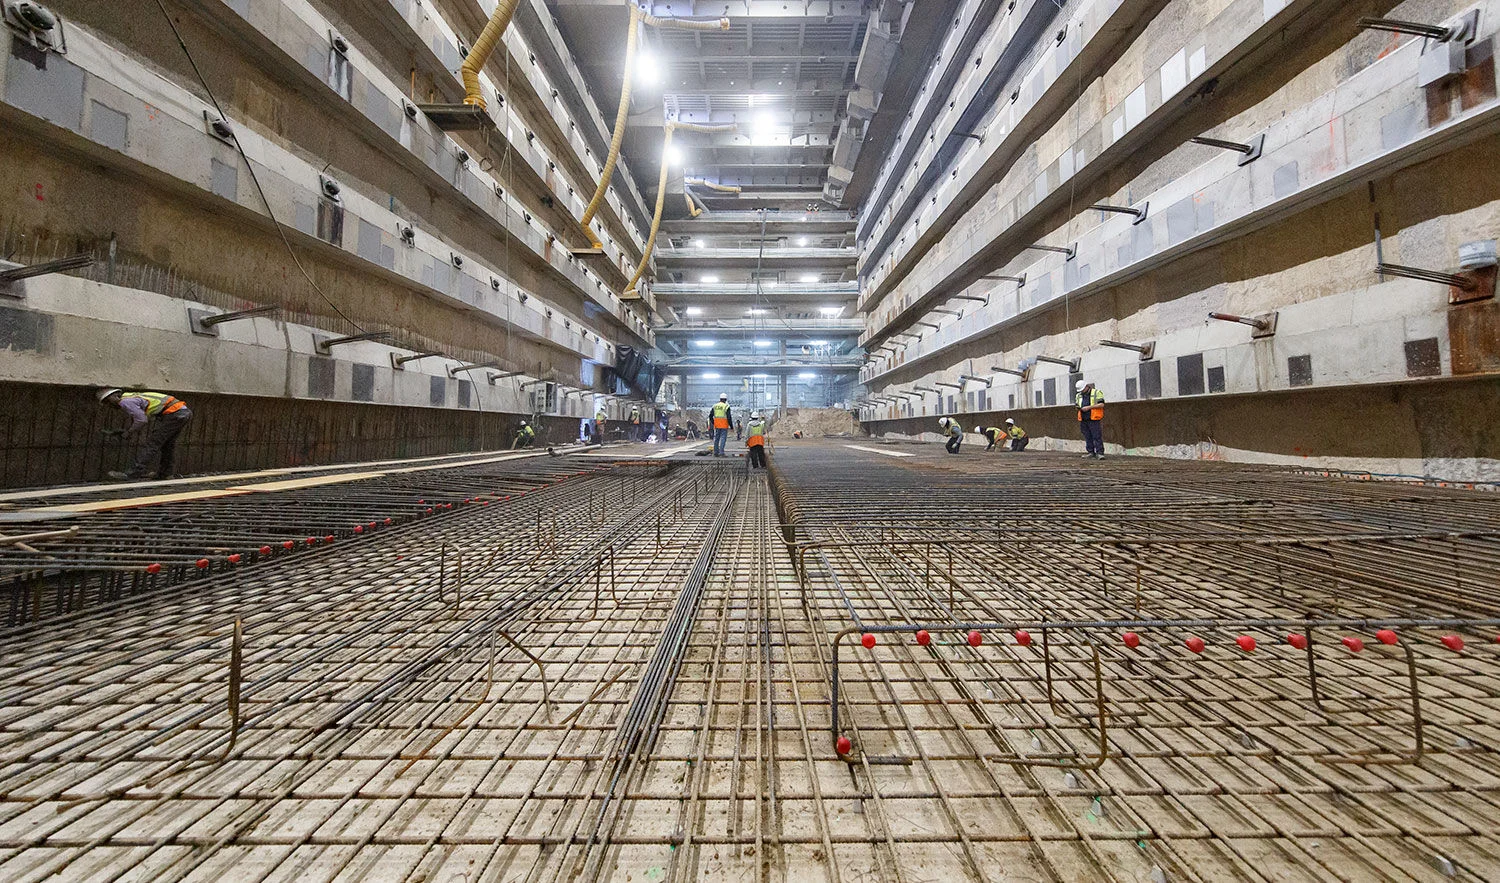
{"points": [[1010, 421], [523, 422], [944, 421], [1078, 386], [754, 415], [106, 393], [723, 396]]}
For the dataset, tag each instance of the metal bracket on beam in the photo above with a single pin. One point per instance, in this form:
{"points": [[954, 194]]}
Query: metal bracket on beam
{"points": [[983, 300], [457, 117], [16, 274], [1459, 31], [1249, 152], [1070, 364], [928, 325], [957, 386], [927, 389], [1264, 325], [1019, 280], [324, 344], [457, 369], [1068, 253], [399, 362], [1138, 213], [1147, 349], [999, 370], [207, 324], [1463, 287], [985, 380]]}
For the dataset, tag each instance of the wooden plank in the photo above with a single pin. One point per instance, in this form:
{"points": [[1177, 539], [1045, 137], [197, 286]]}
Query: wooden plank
{"points": [[133, 502], [293, 484]]}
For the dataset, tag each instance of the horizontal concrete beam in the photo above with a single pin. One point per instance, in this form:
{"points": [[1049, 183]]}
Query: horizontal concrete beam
{"points": [[172, 147], [289, 39], [714, 257], [1371, 125], [1160, 96], [1358, 337], [760, 328], [81, 332]]}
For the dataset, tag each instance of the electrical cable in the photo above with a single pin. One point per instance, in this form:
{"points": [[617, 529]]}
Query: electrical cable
{"points": [[234, 137]]}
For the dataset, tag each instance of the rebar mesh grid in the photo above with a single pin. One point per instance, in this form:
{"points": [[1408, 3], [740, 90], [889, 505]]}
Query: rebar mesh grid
{"points": [[640, 688]]}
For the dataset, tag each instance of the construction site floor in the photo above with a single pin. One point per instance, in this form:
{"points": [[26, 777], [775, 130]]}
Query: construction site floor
{"points": [[873, 662]]}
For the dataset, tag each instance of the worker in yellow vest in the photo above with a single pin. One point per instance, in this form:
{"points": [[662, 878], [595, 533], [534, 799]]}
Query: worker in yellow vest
{"points": [[1018, 439], [757, 441], [953, 431], [993, 435], [524, 436], [600, 419], [160, 417], [1090, 402], [635, 424], [721, 419]]}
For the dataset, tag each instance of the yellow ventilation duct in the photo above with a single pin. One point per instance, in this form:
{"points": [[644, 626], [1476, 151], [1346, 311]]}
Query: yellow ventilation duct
{"points": [[622, 112], [661, 196], [494, 29], [722, 188]]}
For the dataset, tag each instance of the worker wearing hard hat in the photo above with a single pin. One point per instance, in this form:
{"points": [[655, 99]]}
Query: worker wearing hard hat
{"points": [[992, 434], [955, 433], [524, 436], [635, 423], [161, 418], [721, 419], [757, 441], [1090, 402], [600, 418], [1017, 435]]}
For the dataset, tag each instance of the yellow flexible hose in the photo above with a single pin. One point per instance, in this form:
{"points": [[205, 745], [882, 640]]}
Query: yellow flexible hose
{"points": [[621, 115], [661, 196], [682, 24], [693, 210], [722, 188], [494, 29], [661, 203]]}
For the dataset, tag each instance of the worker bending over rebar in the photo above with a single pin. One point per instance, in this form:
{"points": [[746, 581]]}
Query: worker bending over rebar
{"points": [[955, 433], [160, 418], [1017, 435]]}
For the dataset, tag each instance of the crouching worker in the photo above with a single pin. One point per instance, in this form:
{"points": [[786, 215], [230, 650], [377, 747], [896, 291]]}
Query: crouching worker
{"points": [[757, 441], [953, 431], [1017, 435], [160, 417], [524, 436], [993, 435]]}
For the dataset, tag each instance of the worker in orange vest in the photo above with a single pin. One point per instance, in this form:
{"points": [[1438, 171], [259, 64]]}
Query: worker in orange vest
{"points": [[1090, 402], [157, 416], [757, 441]]}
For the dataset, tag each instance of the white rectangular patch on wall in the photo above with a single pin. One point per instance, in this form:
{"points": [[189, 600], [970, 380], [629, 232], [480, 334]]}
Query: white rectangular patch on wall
{"points": [[1135, 107], [1197, 63], [1269, 8], [1174, 74]]}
